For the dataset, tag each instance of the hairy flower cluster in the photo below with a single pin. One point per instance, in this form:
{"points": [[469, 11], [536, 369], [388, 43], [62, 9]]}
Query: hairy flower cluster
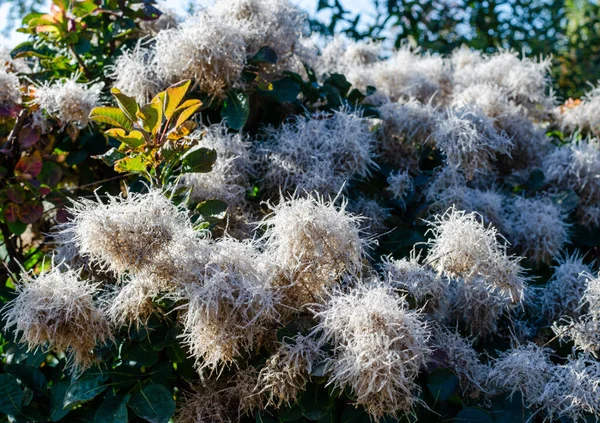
{"points": [[470, 141], [573, 390], [343, 55], [582, 117], [228, 179], [319, 153], [58, 310], [10, 88], [409, 276], [204, 48], [379, 347], [68, 100], [537, 227], [134, 74], [277, 24], [486, 281], [576, 166], [400, 184], [315, 244], [523, 80], [406, 127], [228, 310], [285, 374], [565, 289], [456, 352], [126, 233], [526, 369], [374, 214]]}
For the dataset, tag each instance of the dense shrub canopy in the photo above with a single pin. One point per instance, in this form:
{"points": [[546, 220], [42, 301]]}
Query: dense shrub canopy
{"points": [[224, 218]]}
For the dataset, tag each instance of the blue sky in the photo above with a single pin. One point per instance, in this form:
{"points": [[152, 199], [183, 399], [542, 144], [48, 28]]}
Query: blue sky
{"points": [[356, 6]]}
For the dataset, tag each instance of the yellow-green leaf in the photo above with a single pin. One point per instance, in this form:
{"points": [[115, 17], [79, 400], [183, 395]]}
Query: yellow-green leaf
{"points": [[174, 96], [151, 116], [186, 110], [182, 130], [111, 115], [126, 103], [134, 164]]}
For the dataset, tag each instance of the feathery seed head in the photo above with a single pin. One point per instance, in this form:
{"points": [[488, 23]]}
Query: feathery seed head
{"points": [[319, 153], [135, 75], [470, 141], [10, 88], [379, 346], [315, 241], [204, 48], [58, 310], [70, 101], [400, 184], [125, 234]]}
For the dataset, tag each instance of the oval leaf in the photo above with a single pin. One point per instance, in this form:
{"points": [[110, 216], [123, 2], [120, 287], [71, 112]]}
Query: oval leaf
{"points": [[11, 395], [112, 410], [84, 390], [473, 415], [111, 115], [29, 376], [198, 160], [236, 109], [30, 212], [174, 95], [127, 104], [442, 384], [153, 403], [28, 167]]}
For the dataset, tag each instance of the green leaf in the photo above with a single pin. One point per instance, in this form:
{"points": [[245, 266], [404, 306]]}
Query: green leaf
{"points": [[57, 400], [198, 160], [473, 415], [29, 376], [265, 55], [285, 90], [17, 228], [186, 110], [151, 116], [50, 175], [134, 139], [11, 395], [133, 164], [111, 156], [536, 180], [338, 81], [127, 104], [442, 384], [290, 413], [212, 210], [182, 130], [84, 389], [174, 95], [236, 110], [315, 402], [353, 414], [112, 410], [112, 116], [154, 403]]}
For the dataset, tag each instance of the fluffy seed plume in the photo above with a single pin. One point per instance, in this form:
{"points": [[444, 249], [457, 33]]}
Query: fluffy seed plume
{"points": [[456, 352], [10, 88], [379, 347], [203, 48], [486, 281], [228, 180], [582, 116], [537, 226], [228, 310], [57, 310], [470, 141], [409, 276], [135, 75], [526, 369], [68, 100], [566, 287], [276, 24], [319, 153], [573, 391], [315, 243], [400, 184], [125, 234]]}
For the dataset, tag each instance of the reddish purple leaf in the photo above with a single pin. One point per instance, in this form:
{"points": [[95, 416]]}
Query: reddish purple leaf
{"points": [[28, 167], [30, 212], [11, 211], [28, 136], [16, 193]]}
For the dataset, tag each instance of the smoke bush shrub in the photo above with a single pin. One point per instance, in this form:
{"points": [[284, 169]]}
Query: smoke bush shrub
{"points": [[223, 218]]}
